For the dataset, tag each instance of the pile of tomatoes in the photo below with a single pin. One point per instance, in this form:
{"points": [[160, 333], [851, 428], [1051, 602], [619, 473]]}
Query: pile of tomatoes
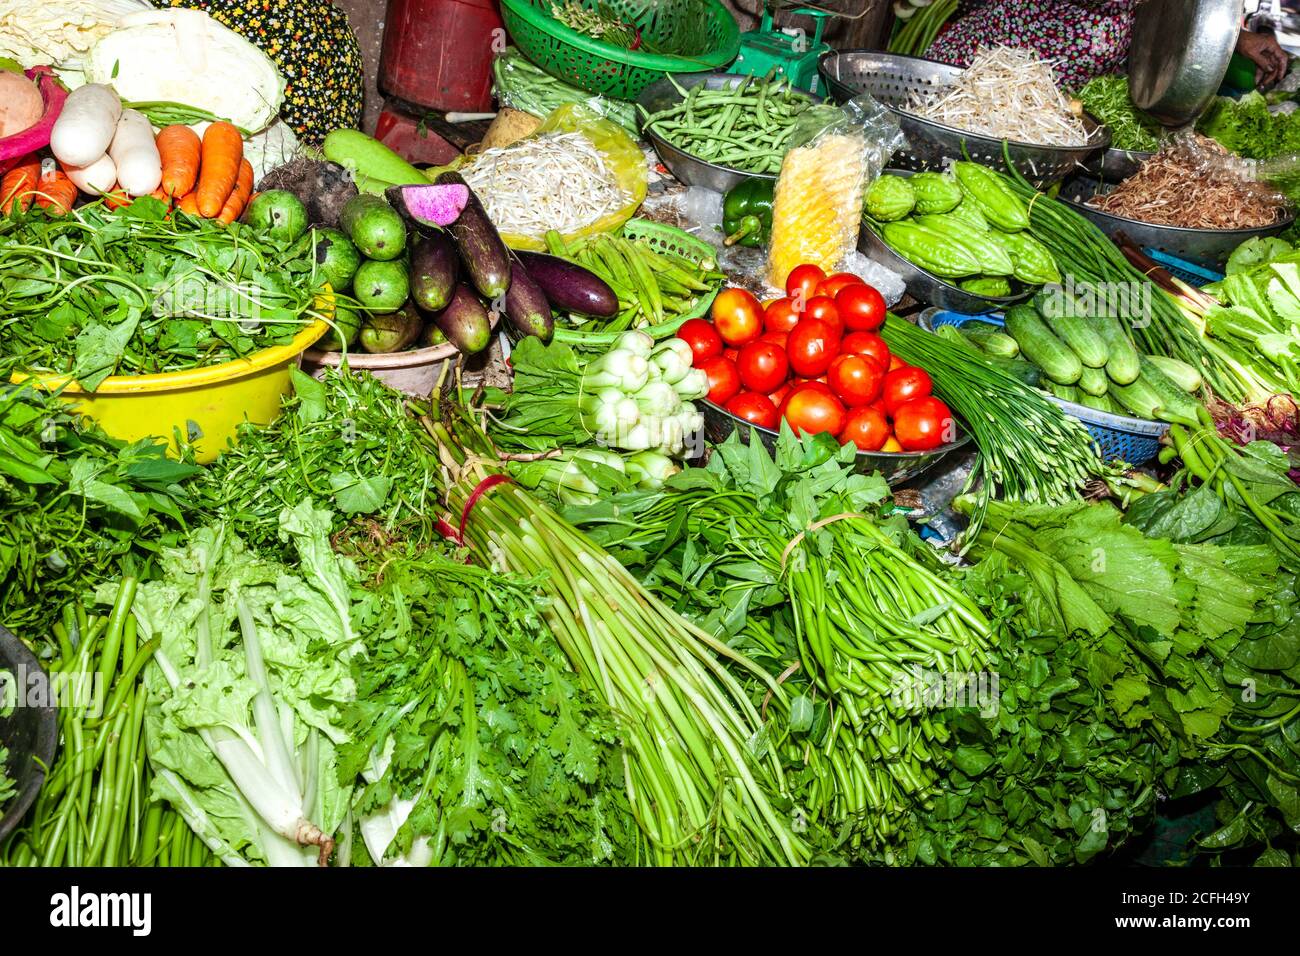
{"points": [[814, 359]]}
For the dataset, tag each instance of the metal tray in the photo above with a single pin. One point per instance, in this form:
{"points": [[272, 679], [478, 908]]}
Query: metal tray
{"points": [[892, 79], [894, 466], [1210, 247], [31, 734], [1116, 165], [688, 169]]}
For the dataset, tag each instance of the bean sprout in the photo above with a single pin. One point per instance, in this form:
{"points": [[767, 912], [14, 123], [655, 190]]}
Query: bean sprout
{"points": [[1007, 94], [553, 181]]}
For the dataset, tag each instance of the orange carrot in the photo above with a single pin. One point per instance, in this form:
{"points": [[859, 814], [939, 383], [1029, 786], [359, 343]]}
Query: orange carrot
{"points": [[160, 194], [189, 203], [56, 193], [17, 185], [117, 198], [223, 148], [179, 148], [239, 195]]}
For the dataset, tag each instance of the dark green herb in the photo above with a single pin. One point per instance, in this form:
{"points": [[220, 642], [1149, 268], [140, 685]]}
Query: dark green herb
{"points": [[132, 292]]}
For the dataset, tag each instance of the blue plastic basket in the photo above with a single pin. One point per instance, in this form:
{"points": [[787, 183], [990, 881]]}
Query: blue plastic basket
{"points": [[1118, 437], [1189, 272]]}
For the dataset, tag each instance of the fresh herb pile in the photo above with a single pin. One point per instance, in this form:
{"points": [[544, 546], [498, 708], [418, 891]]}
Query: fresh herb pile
{"points": [[76, 508], [99, 293], [1187, 631], [474, 742], [1107, 98]]}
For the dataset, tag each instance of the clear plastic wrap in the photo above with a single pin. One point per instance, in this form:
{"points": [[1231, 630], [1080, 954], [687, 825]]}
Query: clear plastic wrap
{"points": [[522, 85], [818, 199]]}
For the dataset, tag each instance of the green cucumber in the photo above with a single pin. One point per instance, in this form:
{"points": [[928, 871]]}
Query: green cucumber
{"points": [[1065, 392], [1122, 358], [1100, 403], [1138, 397], [1093, 381], [992, 340], [1041, 346], [1180, 373], [1175, 404], [1078, 332]]}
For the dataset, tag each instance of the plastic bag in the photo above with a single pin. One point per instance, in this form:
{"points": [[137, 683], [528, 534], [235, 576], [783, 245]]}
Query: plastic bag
{"points": [[521, 84], [621, 155], [818, 201]]}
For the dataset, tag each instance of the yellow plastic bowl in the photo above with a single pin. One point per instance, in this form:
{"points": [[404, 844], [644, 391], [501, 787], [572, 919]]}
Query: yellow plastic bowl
{"points": [[207, 405]]}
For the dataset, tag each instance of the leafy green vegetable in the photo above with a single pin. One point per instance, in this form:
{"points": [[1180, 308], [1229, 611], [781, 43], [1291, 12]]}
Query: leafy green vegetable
{"points": [[131, 292], [247, 688], [476, 742], [1222, 682], [1247, 128], [76, 507], [1107, 98]]}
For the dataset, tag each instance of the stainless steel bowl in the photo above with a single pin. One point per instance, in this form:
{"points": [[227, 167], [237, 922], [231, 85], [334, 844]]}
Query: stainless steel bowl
{"points": [[892, 79], [661, 95], [1179, 53], [1208, 247], [31, 734], [894, 466], [1116, 165]]}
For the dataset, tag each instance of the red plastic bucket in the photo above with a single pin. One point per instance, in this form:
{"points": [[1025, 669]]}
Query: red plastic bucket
{"points": [[438, 53]]}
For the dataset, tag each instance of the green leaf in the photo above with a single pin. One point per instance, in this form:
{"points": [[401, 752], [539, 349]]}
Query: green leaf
{"points": [[312, 405]]}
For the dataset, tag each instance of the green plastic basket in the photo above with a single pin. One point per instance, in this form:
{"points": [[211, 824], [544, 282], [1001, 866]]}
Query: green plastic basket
{"points": [[701, 34], [661, 238]]}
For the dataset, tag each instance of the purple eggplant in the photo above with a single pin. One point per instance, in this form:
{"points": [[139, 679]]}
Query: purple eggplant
{"points": [[434, 269], [479, 243], [465, 321], [569, 287], [527, 307]]}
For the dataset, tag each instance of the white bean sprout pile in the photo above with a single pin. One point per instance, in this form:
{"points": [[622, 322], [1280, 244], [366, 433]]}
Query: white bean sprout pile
{"points": [[553, 181], [1007, 94]]}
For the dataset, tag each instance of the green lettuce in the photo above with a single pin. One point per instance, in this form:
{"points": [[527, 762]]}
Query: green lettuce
{"points": [[246, 690]]}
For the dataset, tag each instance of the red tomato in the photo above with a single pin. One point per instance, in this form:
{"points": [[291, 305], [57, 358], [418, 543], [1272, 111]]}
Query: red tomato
{"points": [[879, 405], [729, 354], [724, 380], [823, 307], [896, 362], [903, 385], [924, 423], [810, 411], [866, 427], [802, 282], [856, 379], [781, 315], [763, 366], [861, 307], [754, 408], [812, 345], [778, 397], [867, 343], [776, 338], [703, 338], [832, 284], [737, 316]]}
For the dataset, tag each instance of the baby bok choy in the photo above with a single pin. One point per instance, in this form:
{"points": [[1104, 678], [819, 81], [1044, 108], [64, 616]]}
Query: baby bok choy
{"points": [[637, 397], [246, 690]]}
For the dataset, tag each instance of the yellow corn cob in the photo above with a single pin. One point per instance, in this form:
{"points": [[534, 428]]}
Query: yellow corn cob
{"points": [[818, 205]]}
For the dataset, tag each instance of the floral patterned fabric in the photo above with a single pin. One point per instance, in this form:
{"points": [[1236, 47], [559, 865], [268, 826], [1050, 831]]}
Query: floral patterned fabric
{"points": [[315, 49], [1084, 38]]}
